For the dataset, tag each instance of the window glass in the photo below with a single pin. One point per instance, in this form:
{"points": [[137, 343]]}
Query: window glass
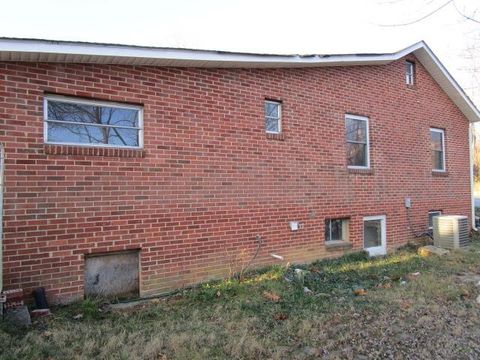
{"points": [[372, 233], [92, 114], [409, 72], [356, 154], [437, 147], [356, 130], [272, 117], [73, 121], [356, 133], [336, 230], [431, 215]]}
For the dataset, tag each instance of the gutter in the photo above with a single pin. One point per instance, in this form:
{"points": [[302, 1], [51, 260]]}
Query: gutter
{"points": [[472, 176], [2, 156]]}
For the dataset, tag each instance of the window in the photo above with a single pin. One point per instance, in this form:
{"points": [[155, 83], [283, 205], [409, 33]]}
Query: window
{"points": [[437, 147], [375, 235], [431, 215], [336, 230], [356, 130], [85, 122], [409, 72], [273, 116]]}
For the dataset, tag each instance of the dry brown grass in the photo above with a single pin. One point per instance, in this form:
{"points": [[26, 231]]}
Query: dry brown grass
{"points": [[432, 315]]}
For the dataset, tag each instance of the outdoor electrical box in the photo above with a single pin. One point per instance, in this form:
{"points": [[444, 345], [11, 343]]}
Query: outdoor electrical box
{"points": [[294, 225], [408, 203]]}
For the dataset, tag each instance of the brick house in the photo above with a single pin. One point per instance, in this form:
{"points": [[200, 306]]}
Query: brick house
{"points": [[149, 169]]}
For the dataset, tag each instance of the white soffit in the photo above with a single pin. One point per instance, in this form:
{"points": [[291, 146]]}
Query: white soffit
{"points": [[30, 50]]}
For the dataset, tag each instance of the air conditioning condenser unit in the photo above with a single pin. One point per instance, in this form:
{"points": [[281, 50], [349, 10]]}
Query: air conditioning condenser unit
{"points": [[450, 231]]}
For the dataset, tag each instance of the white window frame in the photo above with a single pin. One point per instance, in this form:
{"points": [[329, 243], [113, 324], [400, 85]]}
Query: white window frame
{"points": [[377, 250], [441, 131], [410, 77], [366, 119], [438, 212], [75, 100], [279, 119]]}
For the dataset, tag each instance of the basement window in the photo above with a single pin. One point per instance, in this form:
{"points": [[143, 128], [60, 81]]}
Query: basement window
{"points": [[273, 117], [336, 230], [437, 148], [410, 73], [73, 121], [357, 138], [431, 215]]}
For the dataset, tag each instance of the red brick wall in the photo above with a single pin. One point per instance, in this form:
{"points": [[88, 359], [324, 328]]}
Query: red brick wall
{"points": [[209, 180]]}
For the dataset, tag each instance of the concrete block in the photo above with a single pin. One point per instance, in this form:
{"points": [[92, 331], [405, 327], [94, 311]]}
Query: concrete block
{"points": [[18, 316], [429, 250]]}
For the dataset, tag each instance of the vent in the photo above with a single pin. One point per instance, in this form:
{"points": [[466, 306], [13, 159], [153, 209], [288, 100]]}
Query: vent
{"points": [[450, 231]]}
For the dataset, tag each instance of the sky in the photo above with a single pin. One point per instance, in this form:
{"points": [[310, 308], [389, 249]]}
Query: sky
{"points": [[261, 26]]}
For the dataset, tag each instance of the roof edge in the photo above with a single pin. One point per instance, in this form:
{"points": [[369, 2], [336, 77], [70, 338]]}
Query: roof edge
{"points": [[36, 50], [16, 47], [451, 87]]}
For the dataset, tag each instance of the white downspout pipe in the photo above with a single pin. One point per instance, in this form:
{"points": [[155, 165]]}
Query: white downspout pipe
{"points": [[472, 177], [2, 156]]}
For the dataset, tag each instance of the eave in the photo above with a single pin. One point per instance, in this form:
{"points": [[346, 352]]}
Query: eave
{"points": [[30, 50]]}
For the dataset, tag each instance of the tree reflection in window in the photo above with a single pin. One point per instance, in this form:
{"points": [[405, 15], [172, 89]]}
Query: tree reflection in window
{"points": [[356, 132], [89, 123]]}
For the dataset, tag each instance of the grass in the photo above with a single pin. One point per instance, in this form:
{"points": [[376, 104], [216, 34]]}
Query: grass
{"points": [[268, 315]]}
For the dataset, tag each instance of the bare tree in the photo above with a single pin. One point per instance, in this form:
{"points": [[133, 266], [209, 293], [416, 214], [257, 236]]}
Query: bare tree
{"points": [[77, 119]]}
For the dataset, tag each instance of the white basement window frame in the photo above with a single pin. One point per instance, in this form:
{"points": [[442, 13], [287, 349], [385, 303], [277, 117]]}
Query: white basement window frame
{"points": [[442, 151], [431, 215], [366, 142], [137, 124], [270, 117]]}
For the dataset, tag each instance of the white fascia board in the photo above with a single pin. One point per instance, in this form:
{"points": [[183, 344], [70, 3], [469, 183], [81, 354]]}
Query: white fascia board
{"points": [[448, 84], [87, 52], [62, 51]]}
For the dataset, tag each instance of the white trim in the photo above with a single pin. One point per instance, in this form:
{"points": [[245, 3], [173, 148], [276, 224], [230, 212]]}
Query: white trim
{"points": [[279, 119], [15, 49], [441, 131], [74, 100], [451, 87], [366, 119], [36, 50], [79, 100], [2, 182], [410, 73], [439, 212], [472, 175], [382, 249]]}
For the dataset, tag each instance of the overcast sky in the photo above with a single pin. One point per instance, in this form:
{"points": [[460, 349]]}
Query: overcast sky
{"points": [[263, 26]]}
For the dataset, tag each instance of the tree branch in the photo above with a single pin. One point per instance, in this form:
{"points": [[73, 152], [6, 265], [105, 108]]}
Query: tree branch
{"points": [[420, 19]]}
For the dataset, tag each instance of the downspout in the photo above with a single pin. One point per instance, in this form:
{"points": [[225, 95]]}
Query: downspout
{"points": [[472, 177], [1, 215], [2, 155]]}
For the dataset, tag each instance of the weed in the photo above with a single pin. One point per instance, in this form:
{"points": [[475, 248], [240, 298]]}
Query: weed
{"points": [[265, 316]]}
